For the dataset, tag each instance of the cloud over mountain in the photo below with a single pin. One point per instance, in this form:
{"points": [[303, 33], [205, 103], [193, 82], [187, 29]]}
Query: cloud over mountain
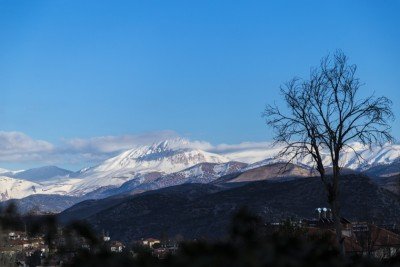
{"points": [[17, 146], [112, 143]]}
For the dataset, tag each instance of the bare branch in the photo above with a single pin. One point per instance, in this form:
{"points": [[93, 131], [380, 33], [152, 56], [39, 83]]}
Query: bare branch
{"points": [[325, 114]]}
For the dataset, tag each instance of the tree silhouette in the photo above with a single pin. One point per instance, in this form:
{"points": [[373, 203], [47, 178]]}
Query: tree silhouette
{"points": [[325, 114]]}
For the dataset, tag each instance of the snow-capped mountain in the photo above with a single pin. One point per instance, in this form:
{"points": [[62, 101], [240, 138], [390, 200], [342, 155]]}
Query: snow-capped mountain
{"points": [[174, 162], [18, 188], [165, 157], [200, 173], [356, 156], [373, 156]]}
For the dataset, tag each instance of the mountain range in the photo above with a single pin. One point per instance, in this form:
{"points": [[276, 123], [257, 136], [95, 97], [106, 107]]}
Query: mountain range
{"points": [[175, 162]]}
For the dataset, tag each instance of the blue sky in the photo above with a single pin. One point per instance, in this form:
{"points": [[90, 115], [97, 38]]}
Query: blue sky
{"points": [[78, 70]]}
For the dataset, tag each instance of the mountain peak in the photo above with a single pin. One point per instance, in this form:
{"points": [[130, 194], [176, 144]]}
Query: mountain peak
{"points": [[167, 156]]}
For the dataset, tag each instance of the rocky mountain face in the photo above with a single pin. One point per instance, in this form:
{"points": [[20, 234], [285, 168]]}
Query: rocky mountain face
{"points": [[271, 172], [200, 173]]}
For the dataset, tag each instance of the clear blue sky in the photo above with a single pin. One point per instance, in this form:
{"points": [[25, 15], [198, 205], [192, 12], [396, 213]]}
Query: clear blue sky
{"points": [[204, 69]]}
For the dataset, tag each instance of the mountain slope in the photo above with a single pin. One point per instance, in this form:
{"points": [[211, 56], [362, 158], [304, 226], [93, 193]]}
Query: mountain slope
{"points": [[386, 175], [274, 171], [90, 207], [200, 173], [16, 188], [391, 183], [165, 157], [384, 170], [207, 215], [39, 203], [356, 156]]}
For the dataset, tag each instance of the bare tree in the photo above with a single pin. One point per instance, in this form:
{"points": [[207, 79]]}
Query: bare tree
{"points": [[324, 116]]}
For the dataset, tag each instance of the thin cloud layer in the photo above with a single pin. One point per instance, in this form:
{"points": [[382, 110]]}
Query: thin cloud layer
{"points": [[248, 152], [17, 147], [111, 144]]}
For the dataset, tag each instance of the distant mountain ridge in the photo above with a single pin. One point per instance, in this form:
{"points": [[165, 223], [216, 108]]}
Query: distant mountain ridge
{"points": [[42, 174], [174, 162]]}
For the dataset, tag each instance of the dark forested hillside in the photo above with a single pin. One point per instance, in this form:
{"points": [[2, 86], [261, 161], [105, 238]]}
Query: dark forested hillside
{"points": [[195, 211]]}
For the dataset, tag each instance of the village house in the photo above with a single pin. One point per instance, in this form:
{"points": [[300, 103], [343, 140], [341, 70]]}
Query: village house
{"points": [[116, 246], [360, 238], [16, 235], [150, 242]]}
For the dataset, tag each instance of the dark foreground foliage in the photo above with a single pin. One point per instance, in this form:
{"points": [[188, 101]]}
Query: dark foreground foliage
{"points": [[250, 244]]}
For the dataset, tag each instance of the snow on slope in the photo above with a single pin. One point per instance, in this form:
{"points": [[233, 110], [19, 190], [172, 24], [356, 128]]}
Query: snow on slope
{"points": [[167, 157], [13, 188], [16, 188], [61, 186], [200, 173], [181, 157], [4, 170], [358, 157], [370, 157], [203, 172]]}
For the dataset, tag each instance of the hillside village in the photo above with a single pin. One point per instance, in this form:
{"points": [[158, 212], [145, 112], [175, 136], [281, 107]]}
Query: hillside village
{"points": [[18, 248]]}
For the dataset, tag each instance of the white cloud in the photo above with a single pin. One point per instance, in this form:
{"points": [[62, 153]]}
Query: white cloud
{"points": [[17, 147], [248, 152], [110, 144], [226, 148]]}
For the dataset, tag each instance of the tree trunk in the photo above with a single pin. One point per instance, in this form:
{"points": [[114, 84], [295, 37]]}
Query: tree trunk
{"points": [[337, 224], [333, 197]]}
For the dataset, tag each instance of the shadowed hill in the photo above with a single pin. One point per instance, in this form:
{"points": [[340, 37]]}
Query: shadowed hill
{"points": [[206, 211], [274, 171]]}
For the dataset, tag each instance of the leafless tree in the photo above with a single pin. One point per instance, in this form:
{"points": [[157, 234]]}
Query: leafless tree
{"points": [[325, 115]]}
